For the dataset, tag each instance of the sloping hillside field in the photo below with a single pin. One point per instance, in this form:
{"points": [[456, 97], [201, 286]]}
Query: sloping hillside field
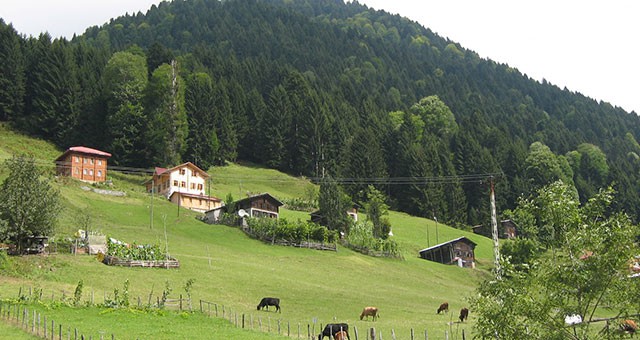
{"points": [[233, 271]]}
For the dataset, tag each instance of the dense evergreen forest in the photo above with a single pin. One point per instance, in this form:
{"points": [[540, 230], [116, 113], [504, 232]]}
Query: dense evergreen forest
{"points": [[317, 88]]}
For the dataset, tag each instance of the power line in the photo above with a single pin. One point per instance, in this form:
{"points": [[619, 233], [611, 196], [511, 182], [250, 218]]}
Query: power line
{"points": [[417, 180]]}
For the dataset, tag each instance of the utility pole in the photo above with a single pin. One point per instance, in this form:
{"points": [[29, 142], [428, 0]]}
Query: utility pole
{"points": [[494, 232], [436, 219], [153, 188]]}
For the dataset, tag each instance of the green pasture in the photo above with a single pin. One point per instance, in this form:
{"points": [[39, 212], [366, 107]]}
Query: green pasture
{"points": [[234, 271]]}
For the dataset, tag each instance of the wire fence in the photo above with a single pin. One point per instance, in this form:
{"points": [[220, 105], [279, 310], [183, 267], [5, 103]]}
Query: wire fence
{"points": [[19, 314], [311, 331]]}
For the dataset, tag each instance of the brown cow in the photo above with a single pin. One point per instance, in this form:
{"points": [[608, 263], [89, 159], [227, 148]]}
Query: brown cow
{"points": [[342, 335], [629, 326], [443, 307], [464, 314], [369, 311]]}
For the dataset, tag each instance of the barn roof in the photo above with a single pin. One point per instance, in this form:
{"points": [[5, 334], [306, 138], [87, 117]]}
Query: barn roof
{"points": [[463, 239], [267, 195], [85, 150], [160, 171]]}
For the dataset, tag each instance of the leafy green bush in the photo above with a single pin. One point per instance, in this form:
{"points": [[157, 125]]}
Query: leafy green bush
{"points": [[361, 239], [283, 229], [299, 204]]}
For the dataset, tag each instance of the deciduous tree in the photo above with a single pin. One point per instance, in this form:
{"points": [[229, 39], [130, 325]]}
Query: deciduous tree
{"points": [[29, 206]]}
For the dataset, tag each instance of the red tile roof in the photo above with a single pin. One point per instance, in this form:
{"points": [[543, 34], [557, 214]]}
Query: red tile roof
{"points": [[85, 150]]}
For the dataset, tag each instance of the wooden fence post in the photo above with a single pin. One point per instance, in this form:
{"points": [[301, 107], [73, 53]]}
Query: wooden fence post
{"points": [[426, 335], [243, 320], [355, 330], [412, 333], [44, 323], [372, 332], [393, 334]]}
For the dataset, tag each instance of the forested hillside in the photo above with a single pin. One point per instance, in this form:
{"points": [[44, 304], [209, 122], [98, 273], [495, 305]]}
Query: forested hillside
{"points": [[317, 88]]}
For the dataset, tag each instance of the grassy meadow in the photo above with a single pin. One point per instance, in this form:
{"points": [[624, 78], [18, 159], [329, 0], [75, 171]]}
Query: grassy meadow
{"points": [[230, 269]]}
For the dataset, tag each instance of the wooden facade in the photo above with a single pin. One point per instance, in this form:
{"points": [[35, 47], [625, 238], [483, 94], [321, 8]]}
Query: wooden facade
{"points": [[262, 205], [507, 229], [185, 185], [83, 163], [459, 251], [199, 203]]}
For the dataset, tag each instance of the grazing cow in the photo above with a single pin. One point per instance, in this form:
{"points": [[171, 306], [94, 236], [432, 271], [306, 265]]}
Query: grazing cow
{"points": [[342, 335], [266, 302], [464, 314], [369, 311], [443, 307], [332, 328], [629, 326]]}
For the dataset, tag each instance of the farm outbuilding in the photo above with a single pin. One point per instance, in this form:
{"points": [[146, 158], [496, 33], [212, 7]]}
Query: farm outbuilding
{"points": [[262, 205], [459, 251], [507, 229]]}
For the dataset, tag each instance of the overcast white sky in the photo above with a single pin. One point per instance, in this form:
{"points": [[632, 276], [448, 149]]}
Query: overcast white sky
{"points": [[591, 47]]}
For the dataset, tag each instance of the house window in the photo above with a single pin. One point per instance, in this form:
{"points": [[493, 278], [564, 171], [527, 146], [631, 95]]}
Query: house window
{"points": [[175, 183], [195, 174], [183, 171], [199, 186], [84, 171], [99, 173], [91, 160], [90, 172], [193, 186], [76, 159], [77, 171], [183, 184], [84, 160], [99, 162]]}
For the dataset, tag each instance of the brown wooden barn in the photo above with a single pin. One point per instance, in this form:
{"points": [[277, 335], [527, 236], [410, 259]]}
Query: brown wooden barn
{"points": [[262, 205], [459, 251], [507, 229]]}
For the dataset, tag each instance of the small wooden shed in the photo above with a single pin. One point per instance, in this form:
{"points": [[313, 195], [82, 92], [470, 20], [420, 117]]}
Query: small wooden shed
{"points": [[507, 229], [459, 251]]}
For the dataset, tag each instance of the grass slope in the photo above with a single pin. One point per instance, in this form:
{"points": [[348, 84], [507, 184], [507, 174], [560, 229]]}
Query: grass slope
{"points": [[236, 271]]}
